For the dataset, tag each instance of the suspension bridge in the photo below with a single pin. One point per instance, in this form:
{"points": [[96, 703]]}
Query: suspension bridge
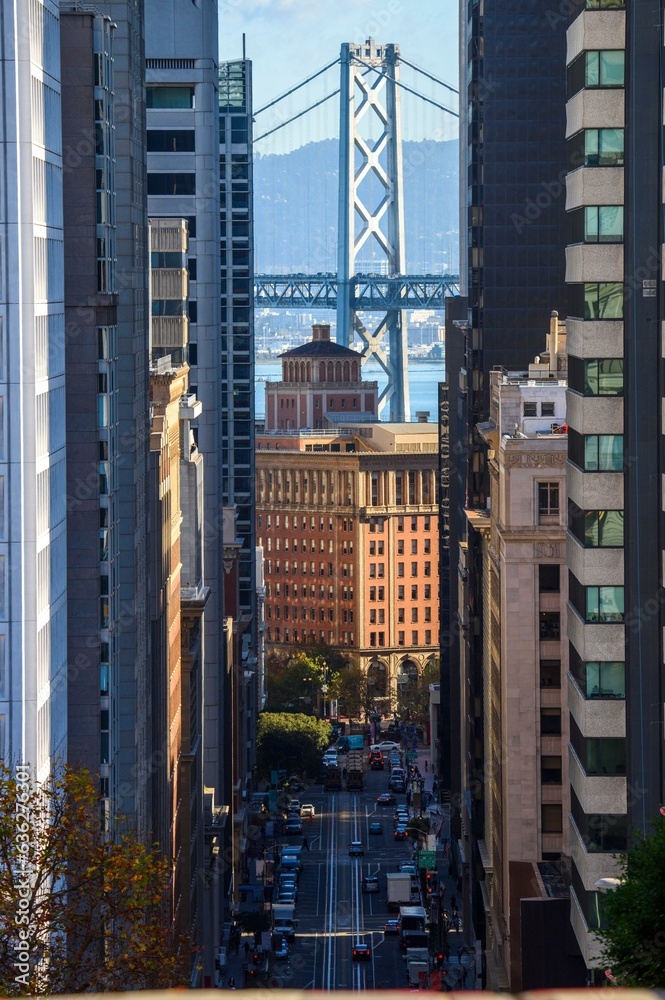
{"points": [[370, 159]]}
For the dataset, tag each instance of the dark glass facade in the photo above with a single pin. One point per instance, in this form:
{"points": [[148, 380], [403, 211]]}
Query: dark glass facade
{"points": [[237, 266], [516, 160]]}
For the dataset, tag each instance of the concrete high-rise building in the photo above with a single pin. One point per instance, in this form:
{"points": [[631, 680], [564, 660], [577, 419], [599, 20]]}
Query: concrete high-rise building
{"points": [[108, 407], [346, 518], [525, 662], [183, 181], [615, 491], [33, 541]]}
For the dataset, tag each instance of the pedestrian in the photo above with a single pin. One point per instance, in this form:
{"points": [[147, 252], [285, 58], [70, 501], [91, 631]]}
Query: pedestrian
{"points": [[305, 844], [460, 952], [246, 948], [425, 764]]}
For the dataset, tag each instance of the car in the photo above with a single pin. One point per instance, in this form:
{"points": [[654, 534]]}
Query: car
{"points": [[285, 930], [376, 755], [377, 765], [294, 805], [386, 746], [376, 828], [286, 899], [361, 952], [370, 883], [408, 869], [307, 811], [294, 784], [398, 788], [287, 886], [400, 832], [281, 951], [385, 799], [293, 826], [401, 813], [356, 849], [391, 927]]}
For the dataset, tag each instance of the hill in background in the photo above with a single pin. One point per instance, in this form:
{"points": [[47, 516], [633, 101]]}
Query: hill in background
{"points": [[295, 197]]}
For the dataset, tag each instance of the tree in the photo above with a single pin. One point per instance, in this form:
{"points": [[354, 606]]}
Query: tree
{"points": [[79, 910], [632, 934], [292, 741], [413, 699], [294, 683]]}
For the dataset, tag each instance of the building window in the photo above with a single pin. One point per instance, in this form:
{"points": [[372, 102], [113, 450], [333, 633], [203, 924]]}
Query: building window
{"points": [[550, 770], [428, 637], [596, 452], [596, 300], [372, 593], [400, 638], [171, 184], [400, 524], [399, 492], [598, 755], [414, 547], [428, 614], [427, 546], [550, 722], [169, 97], [372, 638], [400, 546], [180, 140], [382, 638], [530, 409], [596, 68], [604, 604], [547, 409], [428, 591], [551, 818], [414, 569], [549, 578], [596, 224], [550, 673], [598, 678], [414, 592], [550, 626], [548, 503], [414, 614], [597, 147], [596, 529], [382, 616], [414, 638], [596, 377], [427, 569], [400, 592], [400, 615], [602, 833], [400, 569], [382, 592]]}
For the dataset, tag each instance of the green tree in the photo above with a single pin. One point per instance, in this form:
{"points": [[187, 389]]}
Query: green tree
{"points": [[633, 915], [292, 741], [294, 683], [80, 911]]}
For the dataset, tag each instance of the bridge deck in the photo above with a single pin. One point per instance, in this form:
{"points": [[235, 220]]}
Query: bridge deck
{"points": [[371, 292]]}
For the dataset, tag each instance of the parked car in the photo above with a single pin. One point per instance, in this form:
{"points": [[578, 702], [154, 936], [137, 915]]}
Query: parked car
{"points": [[361, 952], [385, 747], [356, 849], [375, 828], [370, 883]]}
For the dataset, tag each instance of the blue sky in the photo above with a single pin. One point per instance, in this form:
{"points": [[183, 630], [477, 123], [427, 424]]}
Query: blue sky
{"points": [[287, 40]]}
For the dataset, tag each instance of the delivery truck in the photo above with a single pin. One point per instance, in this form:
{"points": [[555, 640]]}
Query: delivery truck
{"points": [[398, 890]]}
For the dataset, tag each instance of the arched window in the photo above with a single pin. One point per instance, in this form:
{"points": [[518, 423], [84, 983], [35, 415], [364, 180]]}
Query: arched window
{"points": [[330, 371], [347, 371], [308, 372], [322, 372], [338, 371]]}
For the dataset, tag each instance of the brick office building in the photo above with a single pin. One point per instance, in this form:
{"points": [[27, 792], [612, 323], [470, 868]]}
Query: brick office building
{"points": [[347, 518]]}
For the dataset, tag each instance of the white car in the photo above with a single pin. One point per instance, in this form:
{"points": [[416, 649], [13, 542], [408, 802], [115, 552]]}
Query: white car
{"points": [[307, 811], [385, 747]]}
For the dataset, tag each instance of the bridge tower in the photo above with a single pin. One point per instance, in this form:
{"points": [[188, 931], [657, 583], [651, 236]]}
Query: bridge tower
{"points": [[370, 146]]}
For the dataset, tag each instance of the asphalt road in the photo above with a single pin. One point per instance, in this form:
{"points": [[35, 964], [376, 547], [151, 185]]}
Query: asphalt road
{"points": [[332, 911]]}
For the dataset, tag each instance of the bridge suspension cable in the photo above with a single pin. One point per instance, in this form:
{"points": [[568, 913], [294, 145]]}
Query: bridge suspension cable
{"points": [[299, 115], [309, 79], [428, 75]]}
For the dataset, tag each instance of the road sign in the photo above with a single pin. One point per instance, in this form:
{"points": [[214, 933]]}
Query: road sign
{"points": [[411, 755], [427, 859]]}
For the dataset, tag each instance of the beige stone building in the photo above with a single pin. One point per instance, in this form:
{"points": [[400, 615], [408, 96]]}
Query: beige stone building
{"points": [[525, 659]]}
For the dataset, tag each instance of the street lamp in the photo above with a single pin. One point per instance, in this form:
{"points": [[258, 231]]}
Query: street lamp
{"points": [[324, 692]]}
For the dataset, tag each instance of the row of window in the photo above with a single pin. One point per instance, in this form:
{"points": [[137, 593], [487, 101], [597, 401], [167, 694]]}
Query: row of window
{"points": [[305, 545], [426, 569], [306, 614], [291, 590], [531, 409], [298, 522], [292, 567], [276, 635], [379, 638]]}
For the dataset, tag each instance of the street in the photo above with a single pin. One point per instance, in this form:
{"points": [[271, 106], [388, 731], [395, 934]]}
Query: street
{"points": [[332, 912]]}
